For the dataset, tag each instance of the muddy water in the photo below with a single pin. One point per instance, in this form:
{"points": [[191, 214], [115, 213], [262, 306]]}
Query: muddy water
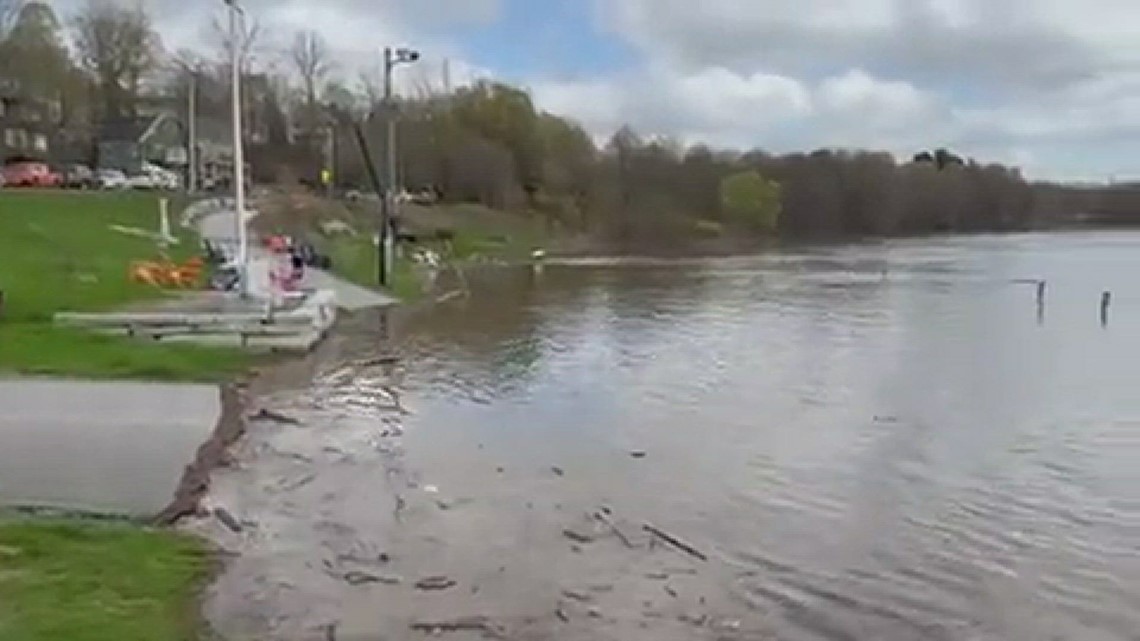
{"points": [[882, 441]]}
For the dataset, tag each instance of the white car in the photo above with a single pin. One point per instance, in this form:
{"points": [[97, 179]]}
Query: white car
{"points": [[154, 177], [110, 179]]}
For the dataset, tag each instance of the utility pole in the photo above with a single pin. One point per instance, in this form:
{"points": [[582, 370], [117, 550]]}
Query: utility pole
{"points": [[192, 134], [392, 57], [238, 155], [330, 161]]}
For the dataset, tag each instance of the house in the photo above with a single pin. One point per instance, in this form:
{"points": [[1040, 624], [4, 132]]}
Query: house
{"points": [[126, 143], [26, 126]]}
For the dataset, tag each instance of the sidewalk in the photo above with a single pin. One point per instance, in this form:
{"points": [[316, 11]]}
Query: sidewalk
{"points": [[220, 227]]}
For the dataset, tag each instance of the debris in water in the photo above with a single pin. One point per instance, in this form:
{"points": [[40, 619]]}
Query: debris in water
{"points": [[577, 537], [386, 359], [657, 576], [557, 471], [603, 515], [675, 542], [594, 612], [269, 415], [464, 624], [356, 577], [581, 597], [299, 483], [638, 453], [670, 591], [435, 583], [561, 614], [431, 489], [227, 519]]}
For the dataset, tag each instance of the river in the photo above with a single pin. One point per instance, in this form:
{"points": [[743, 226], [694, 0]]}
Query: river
{"points": [[884, 441]]}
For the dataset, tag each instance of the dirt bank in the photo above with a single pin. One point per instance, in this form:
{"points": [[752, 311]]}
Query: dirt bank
{"points": [[212, 454]]}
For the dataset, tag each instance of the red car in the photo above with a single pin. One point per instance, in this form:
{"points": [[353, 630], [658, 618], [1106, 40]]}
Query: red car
{"points": [[30, 174]]}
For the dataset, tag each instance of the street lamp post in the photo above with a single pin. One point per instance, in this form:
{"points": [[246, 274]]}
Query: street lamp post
{"points": [[192, 134], [238, 155], [392, 58]]}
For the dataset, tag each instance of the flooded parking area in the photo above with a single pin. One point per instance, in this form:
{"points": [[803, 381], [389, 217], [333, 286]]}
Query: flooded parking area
{"points": [[103, 447], [879, 441]]}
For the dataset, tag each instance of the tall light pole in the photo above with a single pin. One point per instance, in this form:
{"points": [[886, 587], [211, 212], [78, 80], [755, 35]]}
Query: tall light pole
{"points": [[192, 134], [392, 57], [238, 155]]}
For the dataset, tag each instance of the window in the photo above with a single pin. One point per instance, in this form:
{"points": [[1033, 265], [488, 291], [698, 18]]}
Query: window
{"points": [[14, 138], [3, 106], [40, 142]]}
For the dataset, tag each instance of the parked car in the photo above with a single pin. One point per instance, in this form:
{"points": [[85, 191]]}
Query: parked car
{"points": [[79, 177], [30, 174], [110, 179], [154, 177]]}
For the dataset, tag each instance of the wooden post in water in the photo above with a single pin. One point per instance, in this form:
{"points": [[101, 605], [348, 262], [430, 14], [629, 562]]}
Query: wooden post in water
{"points": [[1105, 302]]}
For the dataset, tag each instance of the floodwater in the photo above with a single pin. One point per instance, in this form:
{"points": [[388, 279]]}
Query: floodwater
{"points": [[885, 441]]}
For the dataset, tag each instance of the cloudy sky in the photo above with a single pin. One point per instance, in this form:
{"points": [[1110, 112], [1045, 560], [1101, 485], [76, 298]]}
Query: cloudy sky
{"points": [[1051, 85]]}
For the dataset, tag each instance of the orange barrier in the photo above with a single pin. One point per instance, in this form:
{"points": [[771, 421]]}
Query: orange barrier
{"points": [[167, 274]]}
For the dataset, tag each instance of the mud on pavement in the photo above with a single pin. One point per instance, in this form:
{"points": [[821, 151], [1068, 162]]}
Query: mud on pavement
{"points": [[330, 534]]}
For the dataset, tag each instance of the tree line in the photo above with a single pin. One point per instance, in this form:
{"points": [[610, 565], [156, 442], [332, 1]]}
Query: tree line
{"points": [[488, 143]]}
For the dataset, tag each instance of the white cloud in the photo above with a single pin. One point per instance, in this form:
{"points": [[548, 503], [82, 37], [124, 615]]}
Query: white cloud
{"points": [[762, 110], [1053, 84]]}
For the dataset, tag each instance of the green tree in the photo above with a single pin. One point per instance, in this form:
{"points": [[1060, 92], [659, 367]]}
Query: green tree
{"points": [[32, 52], [751, 199]]}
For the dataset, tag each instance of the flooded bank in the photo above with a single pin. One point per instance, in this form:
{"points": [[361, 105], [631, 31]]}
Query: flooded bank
{"points": [[105, 447], [883, 441]]}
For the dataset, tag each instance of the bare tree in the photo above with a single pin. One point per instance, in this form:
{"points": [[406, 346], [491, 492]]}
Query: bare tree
{"points": [[118, 46], [9, 12], [248, 37], [370, 83], [312, 61]]}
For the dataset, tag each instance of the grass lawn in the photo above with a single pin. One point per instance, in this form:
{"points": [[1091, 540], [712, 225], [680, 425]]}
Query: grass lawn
{"points": [[355, 259], [73, 581], [58, 253], [478, 232]]}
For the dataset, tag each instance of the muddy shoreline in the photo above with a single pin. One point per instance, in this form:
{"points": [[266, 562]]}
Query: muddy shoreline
{"points": [[212, 454]]}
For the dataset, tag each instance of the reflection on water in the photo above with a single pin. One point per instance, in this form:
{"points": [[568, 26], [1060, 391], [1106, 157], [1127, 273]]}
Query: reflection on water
{"points": [[882, 441]]}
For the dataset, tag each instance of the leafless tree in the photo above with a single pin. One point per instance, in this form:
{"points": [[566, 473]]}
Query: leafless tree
{"points": [[9, 10], [248, 40], [118, 47], [312, 61], [370, 83]]}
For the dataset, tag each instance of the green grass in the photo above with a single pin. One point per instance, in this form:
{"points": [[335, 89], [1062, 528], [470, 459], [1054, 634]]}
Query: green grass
{"points": [[478, 233], [58, 253], [355, 259], [80, 581]]}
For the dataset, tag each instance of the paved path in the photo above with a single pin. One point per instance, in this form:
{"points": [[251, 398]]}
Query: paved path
{"points": [[113, 447], [221, 227]]}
